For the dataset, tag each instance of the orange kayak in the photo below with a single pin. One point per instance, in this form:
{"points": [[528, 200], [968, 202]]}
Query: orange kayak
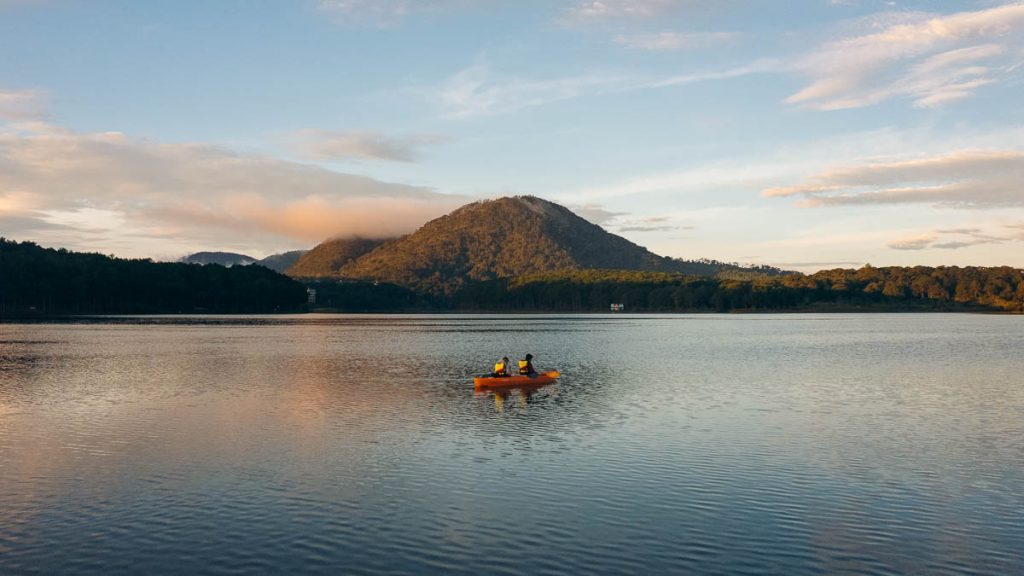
{"points": [[512, 381]]}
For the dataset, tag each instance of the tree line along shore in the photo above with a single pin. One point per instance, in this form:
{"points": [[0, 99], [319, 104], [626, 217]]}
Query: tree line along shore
{"points": [[36, 281]]}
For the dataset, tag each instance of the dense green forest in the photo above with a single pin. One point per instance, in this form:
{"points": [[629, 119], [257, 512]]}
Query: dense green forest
{"points": [[869, 288], [330, 256], [362, 296], [36, 280]]}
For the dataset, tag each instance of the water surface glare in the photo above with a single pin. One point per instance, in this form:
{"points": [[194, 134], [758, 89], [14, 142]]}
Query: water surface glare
{"points": [[785, 444]]}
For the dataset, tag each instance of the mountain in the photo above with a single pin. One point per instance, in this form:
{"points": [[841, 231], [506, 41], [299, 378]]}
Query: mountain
{"points": [[500, 238], [283, 261], [328, 257], [227, 259]]}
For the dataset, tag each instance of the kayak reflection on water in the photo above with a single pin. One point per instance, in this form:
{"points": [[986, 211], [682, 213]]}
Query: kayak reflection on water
{"points": [[524, 395]]}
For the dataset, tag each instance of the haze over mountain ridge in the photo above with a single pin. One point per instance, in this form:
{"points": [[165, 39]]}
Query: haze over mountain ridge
{"points": [[276, 262]]}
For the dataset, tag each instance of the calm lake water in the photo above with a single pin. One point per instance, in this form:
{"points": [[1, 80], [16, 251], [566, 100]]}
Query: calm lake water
{"points": [[789, 444]]}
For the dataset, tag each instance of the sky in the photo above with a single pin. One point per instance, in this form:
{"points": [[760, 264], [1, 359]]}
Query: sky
{"points": [[804, 134]]}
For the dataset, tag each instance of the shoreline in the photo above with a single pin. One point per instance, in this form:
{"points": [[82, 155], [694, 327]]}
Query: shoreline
{"points": [[57, 318]]}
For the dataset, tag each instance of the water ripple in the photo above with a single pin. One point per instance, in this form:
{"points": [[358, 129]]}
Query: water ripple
{"points": [[796, 444]]}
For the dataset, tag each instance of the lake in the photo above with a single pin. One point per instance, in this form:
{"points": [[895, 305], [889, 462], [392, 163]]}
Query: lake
{"points": [[732, 444]]}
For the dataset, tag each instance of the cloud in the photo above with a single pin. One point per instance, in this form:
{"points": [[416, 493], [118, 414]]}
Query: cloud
{"points": [[476, 91], [595, 213], [360, 145], [732, 174], [819, 264], [22, 105], [389, 12], [956, 238], [650, 224], [931, 60], [373, 9], [665, 228], [913, 243], [670, 41], [195, 195], [761, 66], [587, 11], [973, 178]]}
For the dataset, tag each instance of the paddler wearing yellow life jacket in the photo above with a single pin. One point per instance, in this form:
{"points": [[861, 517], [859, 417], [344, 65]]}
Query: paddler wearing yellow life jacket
{"points": [[501, 367], [526, 366]]}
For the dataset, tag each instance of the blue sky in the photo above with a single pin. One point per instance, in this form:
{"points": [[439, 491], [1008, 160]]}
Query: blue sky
{"points": [[804, 134]]}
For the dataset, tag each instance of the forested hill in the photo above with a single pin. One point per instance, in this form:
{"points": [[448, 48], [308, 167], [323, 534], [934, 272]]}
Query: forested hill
{"points": [[283, 261], [504, 238], [327, 258], [35, 280], [222, 258]]}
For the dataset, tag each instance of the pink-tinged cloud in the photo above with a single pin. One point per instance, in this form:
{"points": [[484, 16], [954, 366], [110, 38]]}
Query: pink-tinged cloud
{"points": [[22, 105], [197, 196], [957, 238], [361, 145]]}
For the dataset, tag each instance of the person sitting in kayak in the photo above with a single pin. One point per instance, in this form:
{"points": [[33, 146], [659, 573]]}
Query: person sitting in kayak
{"points": [[526, 366], [501, 368]]}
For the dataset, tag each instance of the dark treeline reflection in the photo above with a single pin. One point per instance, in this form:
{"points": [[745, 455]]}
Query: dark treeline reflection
{"points": [[47, 281]]}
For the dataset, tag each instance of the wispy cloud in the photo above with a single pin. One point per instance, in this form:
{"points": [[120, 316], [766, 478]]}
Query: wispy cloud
{"points": [[732, 174], [760, 66], [586, 11], [819, 265], [972, 178], [22, 105], [387, 10], [918, 242], [360, 145], [929, 59], [477, 91], [387, 13], [196, 195], [595, 213], [622, 222], [956, 238], [671, 41], [651, 228]]}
